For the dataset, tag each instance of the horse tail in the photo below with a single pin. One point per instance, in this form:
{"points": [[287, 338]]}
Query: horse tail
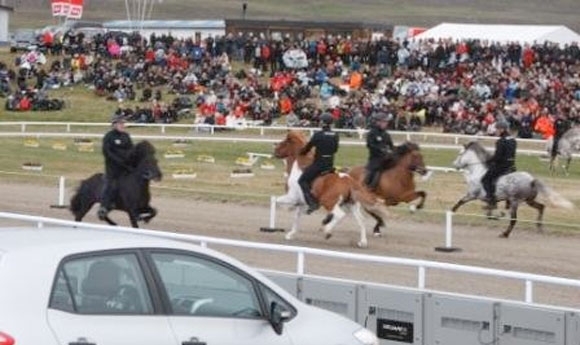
{"points": [[554, 197]]}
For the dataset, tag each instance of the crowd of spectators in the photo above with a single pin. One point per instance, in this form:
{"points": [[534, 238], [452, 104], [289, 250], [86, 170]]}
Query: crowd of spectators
{"points": [[460, 87]]}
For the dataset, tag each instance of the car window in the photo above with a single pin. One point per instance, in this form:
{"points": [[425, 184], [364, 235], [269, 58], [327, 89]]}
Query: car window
{"points": [[108, 284], [203, 287]]}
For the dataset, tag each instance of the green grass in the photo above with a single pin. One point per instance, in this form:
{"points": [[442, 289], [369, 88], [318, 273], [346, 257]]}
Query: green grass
{"points": [[36, 13]]}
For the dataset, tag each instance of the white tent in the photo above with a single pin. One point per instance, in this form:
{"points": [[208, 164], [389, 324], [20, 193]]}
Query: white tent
{"points": [[502, 33]]}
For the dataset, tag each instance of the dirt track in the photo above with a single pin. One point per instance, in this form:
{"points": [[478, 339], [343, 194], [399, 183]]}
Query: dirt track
{"points": [[525, 251]]}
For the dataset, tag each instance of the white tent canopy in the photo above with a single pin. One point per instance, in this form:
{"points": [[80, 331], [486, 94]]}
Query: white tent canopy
{"points": [[502, 33]]}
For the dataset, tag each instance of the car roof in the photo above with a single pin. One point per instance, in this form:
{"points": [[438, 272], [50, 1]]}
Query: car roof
{"points": [[67, 240]]}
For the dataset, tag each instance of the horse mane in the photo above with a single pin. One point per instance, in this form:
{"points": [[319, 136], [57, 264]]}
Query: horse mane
{"points": [[297, 136], [400, 151], [405, 148], [142, 150], [479, 150]]}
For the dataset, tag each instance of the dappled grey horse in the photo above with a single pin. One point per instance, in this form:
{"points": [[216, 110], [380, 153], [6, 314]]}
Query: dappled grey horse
{"points": [[512, 188], [567, 145]]}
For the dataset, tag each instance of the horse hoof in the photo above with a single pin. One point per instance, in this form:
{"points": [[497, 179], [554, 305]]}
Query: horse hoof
{"points": [[377, 234], [413, 208], [503, 235], [327, 235], [288, 237], [362, 244]]}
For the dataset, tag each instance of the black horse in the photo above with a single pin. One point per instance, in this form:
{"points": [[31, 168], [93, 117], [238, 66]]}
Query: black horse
{"points": [[133, 193]]}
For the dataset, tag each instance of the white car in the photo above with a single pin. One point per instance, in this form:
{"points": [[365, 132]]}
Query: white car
{"points": [[103, 287]]}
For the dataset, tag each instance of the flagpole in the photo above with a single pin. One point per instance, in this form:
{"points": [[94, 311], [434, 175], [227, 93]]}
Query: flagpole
{"points": [[128, 13]]}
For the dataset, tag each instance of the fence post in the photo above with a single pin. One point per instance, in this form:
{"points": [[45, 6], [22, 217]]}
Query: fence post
{"points": [[272, 225], [529, 291], [448, 248], [61, 191]]}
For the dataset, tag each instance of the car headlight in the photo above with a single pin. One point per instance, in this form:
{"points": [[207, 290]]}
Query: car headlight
{"points": [[366, 337]]}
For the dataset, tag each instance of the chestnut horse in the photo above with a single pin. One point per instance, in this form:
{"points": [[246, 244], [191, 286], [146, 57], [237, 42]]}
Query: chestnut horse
{"points": [[397, 182], [336, 192]]}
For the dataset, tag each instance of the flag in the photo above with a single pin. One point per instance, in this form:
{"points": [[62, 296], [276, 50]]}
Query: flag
{"points": [[59, 8], [76, 9]]}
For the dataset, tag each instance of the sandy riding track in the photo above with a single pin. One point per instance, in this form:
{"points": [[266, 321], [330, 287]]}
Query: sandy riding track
{"points": [[527, 251]]}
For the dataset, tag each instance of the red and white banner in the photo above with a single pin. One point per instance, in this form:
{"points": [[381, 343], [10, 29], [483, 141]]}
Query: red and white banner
{"points": [[59, 8], [76, 9], [67, 8]]}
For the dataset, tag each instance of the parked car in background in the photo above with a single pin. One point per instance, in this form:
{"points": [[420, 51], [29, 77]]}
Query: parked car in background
{"points": [[79, 286], [21, 40]]}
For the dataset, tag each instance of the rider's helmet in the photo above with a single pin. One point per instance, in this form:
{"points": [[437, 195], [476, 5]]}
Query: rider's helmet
{"points": [[326, 119], [502, 124], [380, 116], [117, 118]]}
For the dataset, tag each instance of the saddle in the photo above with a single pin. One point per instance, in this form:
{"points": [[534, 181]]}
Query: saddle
{"points": [[326, 172]]}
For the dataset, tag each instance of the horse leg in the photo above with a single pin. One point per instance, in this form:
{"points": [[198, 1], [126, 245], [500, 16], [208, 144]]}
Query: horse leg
{"points": [[109, 220], [147, 213], [380, 223], [540, 207], [295, 222], [423, 195], [567, 165], [513, 219], [462, 202], [133, 217], [355, 210], [408, 197], [332, 219]]}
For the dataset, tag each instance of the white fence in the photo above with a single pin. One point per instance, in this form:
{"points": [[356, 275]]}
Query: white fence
{"points": [[247, 132], [422, 266]]}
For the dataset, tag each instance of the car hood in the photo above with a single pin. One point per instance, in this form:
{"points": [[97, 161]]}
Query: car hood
{"points": [[329, 327]]}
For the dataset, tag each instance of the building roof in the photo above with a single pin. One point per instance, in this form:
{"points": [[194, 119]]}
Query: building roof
{"points": [[306, 24], [502, 33], [166, 24], [6, 8]]}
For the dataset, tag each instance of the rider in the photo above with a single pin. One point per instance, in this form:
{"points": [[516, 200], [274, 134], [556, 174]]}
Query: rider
{"points": [[117, 148], [502, 162], [561, 125], [326, 144], [380, 146]]}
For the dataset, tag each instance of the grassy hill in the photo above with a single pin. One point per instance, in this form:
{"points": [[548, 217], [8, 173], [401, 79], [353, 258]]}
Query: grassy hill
{"points": [[36, 13]]}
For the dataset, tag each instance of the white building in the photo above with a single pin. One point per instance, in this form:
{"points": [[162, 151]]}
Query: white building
{"points": [[4, 21], [196, 29]]}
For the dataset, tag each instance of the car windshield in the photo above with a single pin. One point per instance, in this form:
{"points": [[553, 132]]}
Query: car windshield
{"points": [[24, 35]]}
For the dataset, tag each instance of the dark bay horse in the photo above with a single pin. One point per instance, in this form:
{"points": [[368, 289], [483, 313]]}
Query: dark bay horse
{"points": [[133, 196], [513, 188], [338, 193], [397, 183]]}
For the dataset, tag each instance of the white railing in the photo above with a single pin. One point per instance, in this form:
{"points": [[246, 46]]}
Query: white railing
{"points": [[453, 138], [301, 252], [246, 139]]}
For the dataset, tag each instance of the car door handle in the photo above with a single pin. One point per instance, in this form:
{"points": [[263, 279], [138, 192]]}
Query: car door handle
{"points": [[81, 341], [193, 341]]}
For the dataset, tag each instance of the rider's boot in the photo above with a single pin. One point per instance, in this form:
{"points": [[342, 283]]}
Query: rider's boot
{"points": [[491, 203], [311, 201]]}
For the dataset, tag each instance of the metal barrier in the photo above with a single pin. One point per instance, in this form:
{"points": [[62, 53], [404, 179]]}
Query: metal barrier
{"points": [[301, 252]]}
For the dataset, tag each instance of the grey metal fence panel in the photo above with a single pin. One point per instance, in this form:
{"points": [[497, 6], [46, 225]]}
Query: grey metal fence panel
{"points": [[288, 282], [525, 325], [396, 315], [453, 320], [338, 297], [572, 328]]}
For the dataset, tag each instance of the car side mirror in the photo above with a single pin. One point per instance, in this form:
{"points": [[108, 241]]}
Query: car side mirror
{"points": [[278, 315]]}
